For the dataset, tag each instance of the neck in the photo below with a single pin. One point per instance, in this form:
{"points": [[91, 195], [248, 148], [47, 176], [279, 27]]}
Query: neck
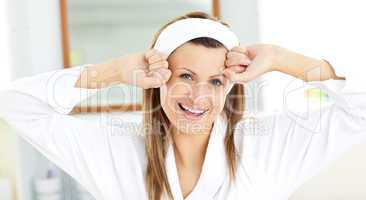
{"points": [[190, 149]]}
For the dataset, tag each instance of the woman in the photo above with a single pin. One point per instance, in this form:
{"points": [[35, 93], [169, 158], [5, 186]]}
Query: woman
{"points": [[196, 145]]}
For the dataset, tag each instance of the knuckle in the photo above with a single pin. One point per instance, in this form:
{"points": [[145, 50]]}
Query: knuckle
{"points": [[235, 48], [151, 59], [150, 52], [156, 58], [243, 59], [153, 51], [153, 66], [230, 54], [159, 56], [234, 60], [165, 64], [163, 56]]}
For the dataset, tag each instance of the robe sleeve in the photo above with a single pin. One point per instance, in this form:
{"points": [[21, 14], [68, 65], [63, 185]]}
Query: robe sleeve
{"points": [[38, 108], [283, 150]]}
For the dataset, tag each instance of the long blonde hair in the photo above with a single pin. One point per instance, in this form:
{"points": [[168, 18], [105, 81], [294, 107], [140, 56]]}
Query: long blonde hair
{"points": [[156, 124]]}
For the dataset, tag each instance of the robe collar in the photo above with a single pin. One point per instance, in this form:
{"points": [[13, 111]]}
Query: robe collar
{"points": [[214, 169]]}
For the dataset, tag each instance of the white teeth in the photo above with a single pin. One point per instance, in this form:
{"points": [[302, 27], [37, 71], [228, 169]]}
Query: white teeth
{"points": [[192, 110]]}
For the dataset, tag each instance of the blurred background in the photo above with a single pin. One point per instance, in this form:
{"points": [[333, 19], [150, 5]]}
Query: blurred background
{"points": [[53, 34]]}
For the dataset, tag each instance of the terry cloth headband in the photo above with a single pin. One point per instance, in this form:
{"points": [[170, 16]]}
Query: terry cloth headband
{"points": [[182, 31]]}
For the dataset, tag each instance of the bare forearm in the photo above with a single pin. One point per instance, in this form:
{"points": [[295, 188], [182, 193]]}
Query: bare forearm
{"points": [[306, 68], [132, 69], [99, 76]]}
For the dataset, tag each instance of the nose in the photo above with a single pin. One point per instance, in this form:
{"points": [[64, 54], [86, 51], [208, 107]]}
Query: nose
{"points": [[201, 93]]}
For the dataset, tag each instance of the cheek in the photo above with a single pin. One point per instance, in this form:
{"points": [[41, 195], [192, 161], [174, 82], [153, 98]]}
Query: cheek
{"points": [[170, 92], [218, 100]]}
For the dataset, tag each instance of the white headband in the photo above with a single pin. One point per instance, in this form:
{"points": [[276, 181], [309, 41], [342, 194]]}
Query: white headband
{"points": [[182, 31]]}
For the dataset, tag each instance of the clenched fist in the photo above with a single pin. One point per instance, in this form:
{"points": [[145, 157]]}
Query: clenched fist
{"points": [[145, 70]]}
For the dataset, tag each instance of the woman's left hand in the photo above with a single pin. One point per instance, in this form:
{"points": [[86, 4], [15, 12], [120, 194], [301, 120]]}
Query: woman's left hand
{"points": [[245, 63]]}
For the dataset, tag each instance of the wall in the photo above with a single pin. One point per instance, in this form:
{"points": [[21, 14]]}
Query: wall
{"points": [[35, 46], [35, 37], [8, 162]]}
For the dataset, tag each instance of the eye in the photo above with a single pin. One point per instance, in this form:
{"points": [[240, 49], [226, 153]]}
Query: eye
{"points": [[185, 76], [216, 82]]}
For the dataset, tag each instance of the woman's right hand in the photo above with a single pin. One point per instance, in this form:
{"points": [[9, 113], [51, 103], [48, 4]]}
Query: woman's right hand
{"points": [[145, 70]]}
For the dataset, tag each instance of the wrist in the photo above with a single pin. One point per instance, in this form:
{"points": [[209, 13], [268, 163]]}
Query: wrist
{"points": [[303, 67], [106, 74], [113, 70], [280, 58]]}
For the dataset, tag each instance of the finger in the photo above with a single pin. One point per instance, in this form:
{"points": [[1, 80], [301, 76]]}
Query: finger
{"points": [[163, 74], [157, 78], [237, 77], [237, 60], [155, 56], [254, 49], [230, 74], [166, 73], [162, 64], [236, 68], [145, 81], [254, 70], [235, 53], [150, 82], [236, 56], [240, 49], [150, 52]]}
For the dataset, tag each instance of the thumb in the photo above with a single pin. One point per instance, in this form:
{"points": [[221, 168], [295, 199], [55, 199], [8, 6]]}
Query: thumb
{"points": [[253, 50], [151, 82], [238, 77], [255, 69], [161, 73], [145, 81]]}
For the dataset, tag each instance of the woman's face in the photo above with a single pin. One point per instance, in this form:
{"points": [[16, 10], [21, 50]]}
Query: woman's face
{"points": [[195, 94]]}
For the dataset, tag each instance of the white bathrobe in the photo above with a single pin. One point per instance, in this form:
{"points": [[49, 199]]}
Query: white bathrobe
{"points": [[277, 152]]}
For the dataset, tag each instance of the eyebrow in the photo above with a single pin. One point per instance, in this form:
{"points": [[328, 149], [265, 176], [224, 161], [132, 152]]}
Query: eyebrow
{"points": [[196, 74]]}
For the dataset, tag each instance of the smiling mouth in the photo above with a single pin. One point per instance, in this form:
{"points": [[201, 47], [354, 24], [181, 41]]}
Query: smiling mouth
{"points": [[191, 112]]}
